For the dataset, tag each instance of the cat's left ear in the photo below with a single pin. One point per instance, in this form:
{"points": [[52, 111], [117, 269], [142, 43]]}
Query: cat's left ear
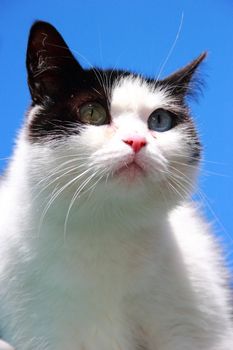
{"points": [[182, 82], [50, 64]]}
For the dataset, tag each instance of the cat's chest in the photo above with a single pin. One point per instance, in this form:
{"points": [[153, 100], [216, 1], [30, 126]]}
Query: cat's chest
{"points": [[83, 253], [75, 284], [97, 264], [77, 291]]}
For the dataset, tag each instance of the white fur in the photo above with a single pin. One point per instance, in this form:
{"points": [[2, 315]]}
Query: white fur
{"points": [[130, 263]]}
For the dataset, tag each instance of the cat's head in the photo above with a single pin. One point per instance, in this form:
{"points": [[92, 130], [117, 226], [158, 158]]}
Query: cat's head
{"points": [[109, 129]]}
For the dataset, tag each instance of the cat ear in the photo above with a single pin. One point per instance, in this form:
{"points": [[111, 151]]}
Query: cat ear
{"points": [[50, 64], [183, 81]]}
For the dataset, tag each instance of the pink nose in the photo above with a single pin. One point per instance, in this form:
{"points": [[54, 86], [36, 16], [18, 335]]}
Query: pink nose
{"points": [[136, 142]]}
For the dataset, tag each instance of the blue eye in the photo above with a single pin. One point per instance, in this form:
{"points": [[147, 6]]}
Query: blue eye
{"points": [[160, 120]]}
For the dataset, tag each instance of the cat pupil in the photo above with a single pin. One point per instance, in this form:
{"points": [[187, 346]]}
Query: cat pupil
{"points": [[159, 118]]}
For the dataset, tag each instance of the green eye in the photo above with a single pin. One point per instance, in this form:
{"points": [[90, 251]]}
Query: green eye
{"points": [[93, 113]]}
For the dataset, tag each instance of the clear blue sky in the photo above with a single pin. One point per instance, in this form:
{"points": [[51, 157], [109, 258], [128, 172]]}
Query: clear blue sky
{"points": [[137, 35]]}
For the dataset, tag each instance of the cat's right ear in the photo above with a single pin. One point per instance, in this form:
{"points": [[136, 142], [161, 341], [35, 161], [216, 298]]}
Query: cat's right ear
{"points": [[50, 64], [184, 81]]}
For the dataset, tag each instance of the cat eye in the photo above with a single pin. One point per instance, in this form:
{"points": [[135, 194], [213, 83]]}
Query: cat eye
{"points": [[160, 120], [93, 113]]}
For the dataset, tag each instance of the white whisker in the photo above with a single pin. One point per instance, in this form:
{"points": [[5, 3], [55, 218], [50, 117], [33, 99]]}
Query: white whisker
{"points": [[75, 196], [172, 47], [55, 196], [64, 172]]}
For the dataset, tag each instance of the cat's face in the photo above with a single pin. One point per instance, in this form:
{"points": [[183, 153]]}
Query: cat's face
{"points": [[109, 128]]}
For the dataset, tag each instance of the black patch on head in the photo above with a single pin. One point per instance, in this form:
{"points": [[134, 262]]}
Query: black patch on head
{"points": [[59, 115], [59, 85]]}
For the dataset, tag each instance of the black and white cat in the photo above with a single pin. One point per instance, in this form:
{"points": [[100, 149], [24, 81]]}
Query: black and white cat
{"points": [[100, 246]]}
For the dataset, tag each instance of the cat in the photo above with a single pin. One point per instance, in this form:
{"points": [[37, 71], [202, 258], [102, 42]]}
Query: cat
{"points": [[101, 247]]}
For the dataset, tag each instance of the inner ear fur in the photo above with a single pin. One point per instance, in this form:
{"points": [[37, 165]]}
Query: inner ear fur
{"points": [[50, 63], [184, 81]]}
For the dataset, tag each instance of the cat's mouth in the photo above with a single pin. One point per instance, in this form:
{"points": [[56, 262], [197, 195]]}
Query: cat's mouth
{"points": [[130, 171]]}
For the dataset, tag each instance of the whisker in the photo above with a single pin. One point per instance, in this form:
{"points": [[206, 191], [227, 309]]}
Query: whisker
{"points": [[175, 190], [172, 47], [205, 172], [75, 196], [201, 160], [67, 170], [55, 196], [54, 171], [181, 186], [203, 197], [93, 187]]}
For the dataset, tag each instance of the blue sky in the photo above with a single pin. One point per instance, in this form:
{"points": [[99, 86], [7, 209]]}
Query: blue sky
{"points": [[137, 35]]}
